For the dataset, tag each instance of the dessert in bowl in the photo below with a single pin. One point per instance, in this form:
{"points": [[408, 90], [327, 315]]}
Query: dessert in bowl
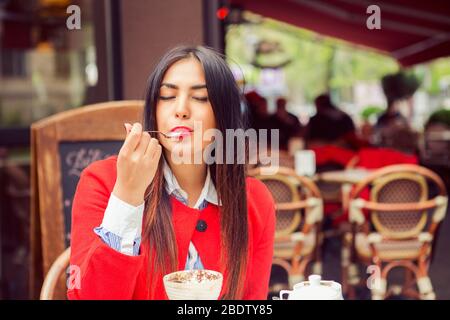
{"points": [[193, 285]]}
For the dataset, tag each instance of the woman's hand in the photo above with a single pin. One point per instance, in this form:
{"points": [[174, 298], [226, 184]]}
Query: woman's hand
{"points": [[136, 165]]}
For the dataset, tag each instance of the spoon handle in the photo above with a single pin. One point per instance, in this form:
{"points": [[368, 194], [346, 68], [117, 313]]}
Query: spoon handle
{"points": [[164, 134], [155, 131]]}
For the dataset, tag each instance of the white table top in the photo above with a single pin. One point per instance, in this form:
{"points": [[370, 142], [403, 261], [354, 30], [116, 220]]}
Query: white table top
{"points": [[343, 176]]}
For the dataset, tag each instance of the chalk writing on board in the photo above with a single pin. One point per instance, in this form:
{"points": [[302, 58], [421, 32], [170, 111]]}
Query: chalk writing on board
{"points": [[74, 158], [79, 159]]}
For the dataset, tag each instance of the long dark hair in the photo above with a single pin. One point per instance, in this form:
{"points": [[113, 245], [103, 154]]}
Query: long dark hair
{"points": [[229, 179]]}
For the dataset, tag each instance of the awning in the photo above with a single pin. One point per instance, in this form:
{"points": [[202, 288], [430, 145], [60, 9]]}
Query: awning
{"points": [[412, 31]]}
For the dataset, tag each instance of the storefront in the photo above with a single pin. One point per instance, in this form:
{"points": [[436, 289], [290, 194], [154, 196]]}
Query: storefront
{"points": [[61, 54]]}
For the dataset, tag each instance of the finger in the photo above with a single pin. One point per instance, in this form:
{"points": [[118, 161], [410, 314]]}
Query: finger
{"points": [[158, 152], [128, 127], [152, 148], [155, 155], [133, 138], [143, 143]]}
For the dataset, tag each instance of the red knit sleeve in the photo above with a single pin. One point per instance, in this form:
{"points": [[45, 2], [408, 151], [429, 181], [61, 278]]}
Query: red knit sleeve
{"points": [[263, 225], [97, 271]]}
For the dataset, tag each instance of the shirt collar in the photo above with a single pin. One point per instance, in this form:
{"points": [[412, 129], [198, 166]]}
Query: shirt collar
{"points": [[208, 193]]}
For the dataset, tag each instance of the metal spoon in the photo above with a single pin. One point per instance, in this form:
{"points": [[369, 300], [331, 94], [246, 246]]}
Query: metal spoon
{"points": [[169, 135]]}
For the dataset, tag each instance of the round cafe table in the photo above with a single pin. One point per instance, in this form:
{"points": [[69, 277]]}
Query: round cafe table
{"points": [[347, 176]]}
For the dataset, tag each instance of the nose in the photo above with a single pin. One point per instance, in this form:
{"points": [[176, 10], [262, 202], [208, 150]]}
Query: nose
{"points": [[182, 108]]}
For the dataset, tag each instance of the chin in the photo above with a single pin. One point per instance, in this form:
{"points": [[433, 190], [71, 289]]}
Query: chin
{"points": [[184, 150]]}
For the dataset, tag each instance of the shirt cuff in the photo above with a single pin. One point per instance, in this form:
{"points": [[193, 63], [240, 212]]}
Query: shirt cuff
{"points": [[125, 221]]}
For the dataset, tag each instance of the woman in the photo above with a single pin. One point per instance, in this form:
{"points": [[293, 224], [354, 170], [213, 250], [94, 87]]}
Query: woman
{"points": [[142, 214]]}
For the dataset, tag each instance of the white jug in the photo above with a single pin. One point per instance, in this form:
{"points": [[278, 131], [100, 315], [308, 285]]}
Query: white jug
{"points": [[305, 163], [314, 289]]}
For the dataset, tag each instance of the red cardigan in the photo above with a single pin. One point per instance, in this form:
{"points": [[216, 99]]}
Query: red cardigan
{"points": [[108, 274]]}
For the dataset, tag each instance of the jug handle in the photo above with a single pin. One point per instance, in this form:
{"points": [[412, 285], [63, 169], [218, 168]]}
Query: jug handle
{"points": [[282, 292]]}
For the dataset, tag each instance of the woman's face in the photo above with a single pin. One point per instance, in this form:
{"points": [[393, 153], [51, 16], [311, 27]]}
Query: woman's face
{"points": [[183, 101]]}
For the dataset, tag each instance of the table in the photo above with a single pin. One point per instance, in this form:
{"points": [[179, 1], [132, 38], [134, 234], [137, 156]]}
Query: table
{"points": [[347, 176]]}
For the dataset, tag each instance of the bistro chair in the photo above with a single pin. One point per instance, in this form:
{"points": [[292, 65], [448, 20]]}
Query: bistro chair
{"points": [[299, 210], [369, 159], [62, 145], [395, 227], [54, 275], [332, 158]]}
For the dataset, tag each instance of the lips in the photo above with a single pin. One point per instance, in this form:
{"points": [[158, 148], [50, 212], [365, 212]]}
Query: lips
{"points": [[182, 130]]}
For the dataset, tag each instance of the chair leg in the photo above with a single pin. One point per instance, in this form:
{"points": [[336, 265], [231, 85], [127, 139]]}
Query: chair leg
{"points": [[413, 274], [395, 290], [345, 262], [379, 291], [295, 278], [426, 288], [350, 272], [317, 265], [353, 274], [317, 268], [298, 271], [423, 280]]}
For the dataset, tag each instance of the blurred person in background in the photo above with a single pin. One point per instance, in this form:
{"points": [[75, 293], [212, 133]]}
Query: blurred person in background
{"points": [[393, 129], [288, 124], [391, 117], [259, 117], [331, 125]]}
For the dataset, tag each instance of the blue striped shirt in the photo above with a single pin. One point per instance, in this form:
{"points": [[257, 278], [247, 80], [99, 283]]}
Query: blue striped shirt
{"points": [[114, 241], [209, 194]]}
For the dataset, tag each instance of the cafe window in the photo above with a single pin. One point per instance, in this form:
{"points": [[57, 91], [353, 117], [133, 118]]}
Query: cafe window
{"points": [[13, 63], [45, 67]]}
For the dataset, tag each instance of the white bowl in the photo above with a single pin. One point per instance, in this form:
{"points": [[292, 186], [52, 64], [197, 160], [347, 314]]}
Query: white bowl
{"points": [[193, 285]]}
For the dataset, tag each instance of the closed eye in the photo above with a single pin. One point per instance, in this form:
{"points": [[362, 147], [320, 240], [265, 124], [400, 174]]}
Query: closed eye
{"points": [[166, 98], [201, 99]]}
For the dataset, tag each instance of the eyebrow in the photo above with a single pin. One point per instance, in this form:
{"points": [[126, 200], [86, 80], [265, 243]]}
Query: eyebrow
{"points": [[194, 87]]}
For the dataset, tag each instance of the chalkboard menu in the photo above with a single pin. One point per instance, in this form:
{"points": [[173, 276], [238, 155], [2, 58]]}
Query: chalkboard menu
{"points": [[74, 157]]}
